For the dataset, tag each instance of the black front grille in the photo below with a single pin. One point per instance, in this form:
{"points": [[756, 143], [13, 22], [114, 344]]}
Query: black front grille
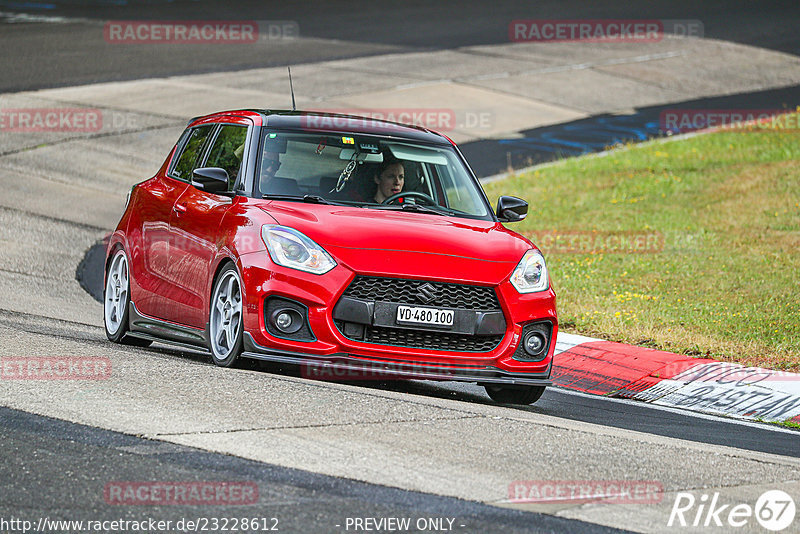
{"points": [[400, 291], [425, 339], [405, 292]]}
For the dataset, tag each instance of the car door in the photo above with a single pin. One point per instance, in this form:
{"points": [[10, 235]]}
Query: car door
{"points": [[195, 226], [150, 269]]}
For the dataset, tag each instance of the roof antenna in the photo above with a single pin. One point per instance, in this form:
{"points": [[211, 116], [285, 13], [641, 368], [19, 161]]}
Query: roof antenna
{"points": [[291, 88]]}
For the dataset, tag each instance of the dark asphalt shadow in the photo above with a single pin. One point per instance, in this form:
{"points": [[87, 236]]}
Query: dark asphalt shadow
{"points": [[601, 132], [59, 470]]}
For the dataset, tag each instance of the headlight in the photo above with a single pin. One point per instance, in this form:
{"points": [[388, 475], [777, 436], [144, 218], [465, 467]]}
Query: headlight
{"points": [[530, 275], [290, 248]]}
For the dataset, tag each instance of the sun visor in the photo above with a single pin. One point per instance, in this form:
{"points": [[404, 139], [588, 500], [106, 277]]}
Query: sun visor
{"points": [[413, 153]]}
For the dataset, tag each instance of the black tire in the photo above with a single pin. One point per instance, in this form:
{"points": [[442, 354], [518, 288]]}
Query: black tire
{"points": [[226, 348], [514, 394], [116, 308]]}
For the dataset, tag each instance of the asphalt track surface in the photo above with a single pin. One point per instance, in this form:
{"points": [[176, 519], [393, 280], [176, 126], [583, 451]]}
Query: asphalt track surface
{"points": [[59, 468], [38, 55], [617, 413], [41, 54], [52, 459]]}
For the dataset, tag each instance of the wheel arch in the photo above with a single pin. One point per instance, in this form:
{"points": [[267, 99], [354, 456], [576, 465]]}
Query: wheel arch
{"points": [[222, 262], [115, 243]]}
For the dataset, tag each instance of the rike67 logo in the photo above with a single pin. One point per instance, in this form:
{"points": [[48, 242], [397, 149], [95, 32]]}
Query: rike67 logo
{"points": [[774, 510]]}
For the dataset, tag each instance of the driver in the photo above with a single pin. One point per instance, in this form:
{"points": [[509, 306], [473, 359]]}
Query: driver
{"points": [[390, 177], [270, 164]]}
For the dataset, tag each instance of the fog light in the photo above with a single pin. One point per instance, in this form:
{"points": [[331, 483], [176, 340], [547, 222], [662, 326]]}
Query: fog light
{"points": [[287, 321], [283, 321], [534, 343]]}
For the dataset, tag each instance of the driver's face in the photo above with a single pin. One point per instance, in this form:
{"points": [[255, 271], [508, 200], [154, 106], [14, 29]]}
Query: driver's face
{"points": [[390, 182]]}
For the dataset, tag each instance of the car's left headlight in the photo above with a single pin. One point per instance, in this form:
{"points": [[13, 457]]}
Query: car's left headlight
{"points": [[292, 249], [530, 275]]}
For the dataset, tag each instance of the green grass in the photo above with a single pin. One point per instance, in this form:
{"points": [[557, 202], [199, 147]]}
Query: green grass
{"points": [[724, 279]]}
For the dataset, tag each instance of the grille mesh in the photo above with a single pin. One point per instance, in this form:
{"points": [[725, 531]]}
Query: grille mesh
{"points": [[447, 295], [404, 292], [425, 339]]}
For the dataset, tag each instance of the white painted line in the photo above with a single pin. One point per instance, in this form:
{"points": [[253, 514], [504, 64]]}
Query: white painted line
{"points": [[680, 411], [730, 389], [14, 18], [565, 342]]}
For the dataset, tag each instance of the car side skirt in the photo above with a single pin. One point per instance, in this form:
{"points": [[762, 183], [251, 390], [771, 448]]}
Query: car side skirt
{"points": [[145, 327], [150, 328]]}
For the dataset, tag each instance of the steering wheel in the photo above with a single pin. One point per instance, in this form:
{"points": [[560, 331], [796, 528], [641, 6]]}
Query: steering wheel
{"points": [[421, 196]]}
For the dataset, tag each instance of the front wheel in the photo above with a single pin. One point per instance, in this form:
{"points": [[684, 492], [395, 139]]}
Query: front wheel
{"points": [[514, 394], [225, 326]]}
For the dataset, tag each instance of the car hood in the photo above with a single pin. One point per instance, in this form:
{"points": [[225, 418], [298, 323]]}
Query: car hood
{"points": [[407, 243]]}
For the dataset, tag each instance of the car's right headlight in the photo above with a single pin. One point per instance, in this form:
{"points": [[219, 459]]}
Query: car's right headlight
{"points": [[292, 249], [530, 275]]}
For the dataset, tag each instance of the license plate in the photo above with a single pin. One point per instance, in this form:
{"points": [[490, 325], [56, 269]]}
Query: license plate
{"points": [[430, 316]]}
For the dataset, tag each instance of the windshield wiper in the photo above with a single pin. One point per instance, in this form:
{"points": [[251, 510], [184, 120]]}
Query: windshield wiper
{"points": [[426, 208], [420, 208], [316, 199], [310, 199]]}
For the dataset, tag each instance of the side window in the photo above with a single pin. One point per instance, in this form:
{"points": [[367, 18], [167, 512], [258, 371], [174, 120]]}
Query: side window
{"points": [[192, 150], [227, 151]]}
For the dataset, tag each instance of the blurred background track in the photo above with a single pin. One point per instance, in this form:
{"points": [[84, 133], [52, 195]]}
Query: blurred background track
{"points": [[38, 54], [63, 191]]}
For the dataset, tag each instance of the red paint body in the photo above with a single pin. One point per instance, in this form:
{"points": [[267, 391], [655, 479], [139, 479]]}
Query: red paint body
{"points": [[177, 235]]}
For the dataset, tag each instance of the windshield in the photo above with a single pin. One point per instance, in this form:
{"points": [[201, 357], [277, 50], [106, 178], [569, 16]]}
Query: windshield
{"points": [[368, 171]]}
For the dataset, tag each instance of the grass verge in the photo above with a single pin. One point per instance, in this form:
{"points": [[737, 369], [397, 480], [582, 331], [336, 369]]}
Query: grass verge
{"points": [[690, 246]]}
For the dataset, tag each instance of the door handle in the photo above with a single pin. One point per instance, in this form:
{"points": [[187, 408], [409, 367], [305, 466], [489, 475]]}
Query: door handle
{"points": [[179, 208]]}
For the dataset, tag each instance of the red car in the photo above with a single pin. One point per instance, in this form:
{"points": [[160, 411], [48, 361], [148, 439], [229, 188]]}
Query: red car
{"points": [[339, 243]]}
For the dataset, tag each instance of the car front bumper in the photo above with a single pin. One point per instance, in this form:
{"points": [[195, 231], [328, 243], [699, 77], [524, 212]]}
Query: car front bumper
{"points": [[330, 354]]}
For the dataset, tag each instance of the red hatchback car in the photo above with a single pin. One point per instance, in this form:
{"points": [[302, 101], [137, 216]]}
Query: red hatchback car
{"points": [[333, 242]]}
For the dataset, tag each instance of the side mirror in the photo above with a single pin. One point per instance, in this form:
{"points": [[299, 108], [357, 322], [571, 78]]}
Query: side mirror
{"points": [[210, 179], [511, 209]]}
